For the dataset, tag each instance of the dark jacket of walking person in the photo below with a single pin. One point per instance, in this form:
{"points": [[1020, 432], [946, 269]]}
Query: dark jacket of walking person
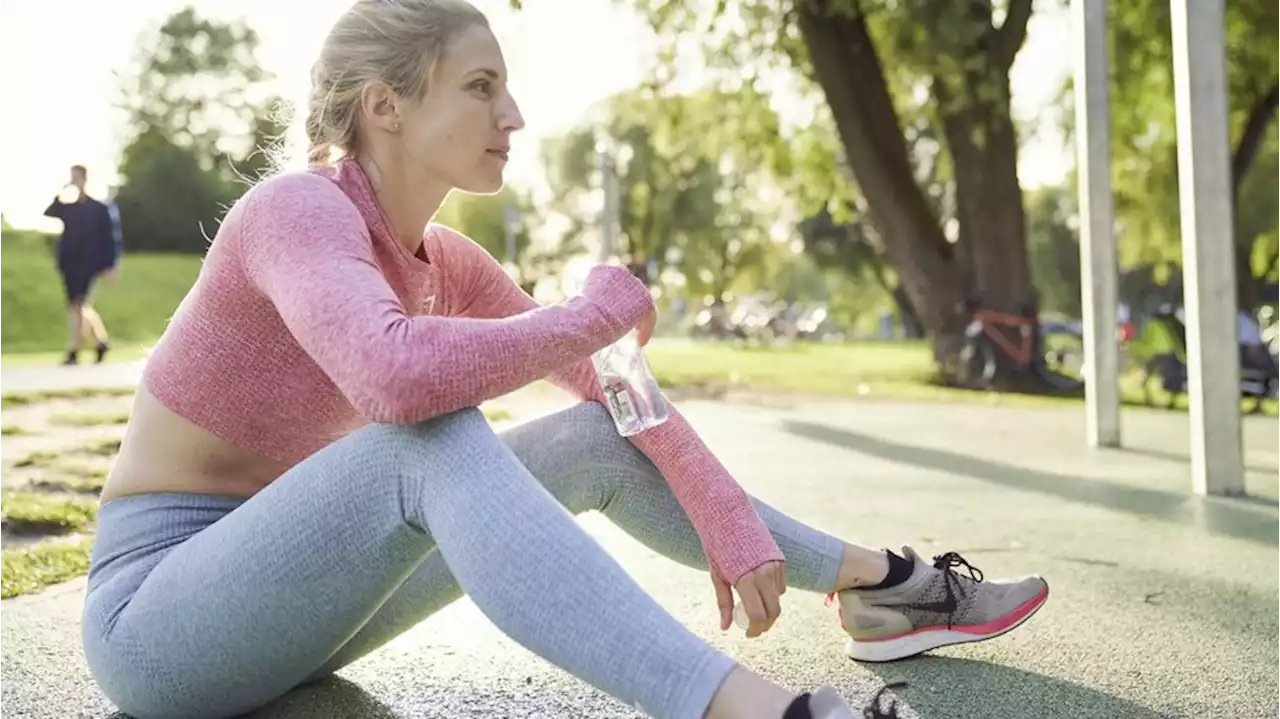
{"points": [[89, 246]]}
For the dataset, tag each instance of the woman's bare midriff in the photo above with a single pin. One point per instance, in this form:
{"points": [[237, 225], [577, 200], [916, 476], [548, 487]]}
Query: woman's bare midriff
{"points": [[163, 452]]}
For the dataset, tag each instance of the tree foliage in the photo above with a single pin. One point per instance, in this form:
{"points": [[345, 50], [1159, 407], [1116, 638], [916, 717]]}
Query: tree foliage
{"points": [[694, 183], [487, 219], [917, 93], [1145, 168], [1055, 249], [200, 121]]}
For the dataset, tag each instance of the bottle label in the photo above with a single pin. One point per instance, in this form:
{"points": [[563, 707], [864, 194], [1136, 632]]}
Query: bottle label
{"points": [[620, 403]]}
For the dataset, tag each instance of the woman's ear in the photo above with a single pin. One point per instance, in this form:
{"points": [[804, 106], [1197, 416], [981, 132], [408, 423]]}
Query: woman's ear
{"points": [[380, 107]]}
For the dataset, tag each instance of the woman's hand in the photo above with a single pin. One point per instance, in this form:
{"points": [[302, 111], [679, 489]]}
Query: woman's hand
{"points": [[760, 591], [644, 330], [603, 284]]}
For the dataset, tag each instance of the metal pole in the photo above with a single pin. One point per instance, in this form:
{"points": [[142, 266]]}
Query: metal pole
{"points": [[608, 218], [1208, 273], [1098, 286]]}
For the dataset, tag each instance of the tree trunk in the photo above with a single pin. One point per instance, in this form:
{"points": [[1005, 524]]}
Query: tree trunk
{"points": [[975, 114], [847, 67], [911, 328], [1255, 131], [981, 139]]}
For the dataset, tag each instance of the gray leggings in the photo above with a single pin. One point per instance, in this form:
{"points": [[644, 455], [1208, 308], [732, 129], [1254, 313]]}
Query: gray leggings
{"points": [[202, 606]]}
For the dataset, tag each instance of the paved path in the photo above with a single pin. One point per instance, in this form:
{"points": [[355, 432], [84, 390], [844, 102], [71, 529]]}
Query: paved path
{"points": [[34, 378], [1163, 605]]}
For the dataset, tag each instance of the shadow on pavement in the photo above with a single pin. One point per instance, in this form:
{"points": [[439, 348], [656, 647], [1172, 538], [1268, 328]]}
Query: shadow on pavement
{"points": [[332, 698], [950, 688], [1181, 457], [1216, 515]]}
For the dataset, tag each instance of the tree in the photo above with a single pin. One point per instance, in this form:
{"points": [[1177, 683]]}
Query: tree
{"points": [[201, 122], [883, 70], [1055, 251], [485, 219], [693, 186], [850, 248], [1145, 144]]}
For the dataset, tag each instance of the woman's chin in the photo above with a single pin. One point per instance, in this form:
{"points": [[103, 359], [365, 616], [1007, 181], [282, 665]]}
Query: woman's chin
{"points": [[483, 184]]}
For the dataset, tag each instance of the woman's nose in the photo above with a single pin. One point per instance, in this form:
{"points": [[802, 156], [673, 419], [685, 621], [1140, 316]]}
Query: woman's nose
{"points": [[509, 117]]}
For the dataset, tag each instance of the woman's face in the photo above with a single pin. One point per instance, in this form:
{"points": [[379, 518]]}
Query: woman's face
{"points": [[459, 133]]}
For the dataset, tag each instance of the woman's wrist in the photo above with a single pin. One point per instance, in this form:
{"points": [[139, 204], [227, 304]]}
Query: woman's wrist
{"points": [[620, 295]]}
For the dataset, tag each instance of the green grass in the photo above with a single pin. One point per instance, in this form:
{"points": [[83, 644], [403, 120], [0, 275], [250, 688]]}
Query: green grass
{"points": [[30, 569], [38, 458], [899, 370], [22, 399], [104, 448], [99, 448], [130, 351], [13, 430], [135, 309], [818, 368], [73, 478], [896, 370], [68, 419], [41, 513]]}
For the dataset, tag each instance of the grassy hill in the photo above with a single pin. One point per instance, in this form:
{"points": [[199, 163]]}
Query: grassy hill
{"points": [[33, 305]]}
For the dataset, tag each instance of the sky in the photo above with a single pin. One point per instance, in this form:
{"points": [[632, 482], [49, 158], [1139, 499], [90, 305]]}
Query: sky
{"points": [[58, 59]]}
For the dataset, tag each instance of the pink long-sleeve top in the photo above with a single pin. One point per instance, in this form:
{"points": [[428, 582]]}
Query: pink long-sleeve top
{"points": [[310, 319]]}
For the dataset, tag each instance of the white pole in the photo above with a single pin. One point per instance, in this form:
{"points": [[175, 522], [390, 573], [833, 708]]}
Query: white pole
{"points": [[1098, 286], [608, 217], [511, 219], [1209, 288]]}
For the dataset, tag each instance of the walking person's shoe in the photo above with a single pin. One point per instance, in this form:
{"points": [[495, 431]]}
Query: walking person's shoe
{"points": [[934, 606], [102, 351], [73, 358]]}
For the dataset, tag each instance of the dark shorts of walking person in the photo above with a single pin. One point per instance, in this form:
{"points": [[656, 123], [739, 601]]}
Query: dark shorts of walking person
{"points": [[77, 282]]}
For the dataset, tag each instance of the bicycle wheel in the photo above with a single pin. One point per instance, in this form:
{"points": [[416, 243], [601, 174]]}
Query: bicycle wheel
{"points": [[1061, 360], [967, 362]]}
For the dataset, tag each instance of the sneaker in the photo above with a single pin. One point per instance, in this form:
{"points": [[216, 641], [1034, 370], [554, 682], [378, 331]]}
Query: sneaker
{"points": [[935, 607]]}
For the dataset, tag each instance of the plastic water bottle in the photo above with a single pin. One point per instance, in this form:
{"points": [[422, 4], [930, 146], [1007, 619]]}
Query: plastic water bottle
{"points": [[631, 393]]}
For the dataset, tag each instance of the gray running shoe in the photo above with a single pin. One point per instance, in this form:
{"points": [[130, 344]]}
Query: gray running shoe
{"points": [[935, 607]]}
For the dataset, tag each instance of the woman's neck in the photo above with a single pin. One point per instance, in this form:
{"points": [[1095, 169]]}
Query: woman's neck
{"points": [[408, 201]]}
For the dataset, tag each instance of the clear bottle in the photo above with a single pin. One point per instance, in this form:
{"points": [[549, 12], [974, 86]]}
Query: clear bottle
{"points": [[631, 393]]}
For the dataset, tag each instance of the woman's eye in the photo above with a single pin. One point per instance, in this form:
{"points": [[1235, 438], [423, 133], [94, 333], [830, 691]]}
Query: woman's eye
{"points": [[483, 86]]}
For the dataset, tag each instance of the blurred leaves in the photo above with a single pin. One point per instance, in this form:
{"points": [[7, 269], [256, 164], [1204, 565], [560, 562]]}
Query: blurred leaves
{"points": [[1144, 169], [201, 122]]}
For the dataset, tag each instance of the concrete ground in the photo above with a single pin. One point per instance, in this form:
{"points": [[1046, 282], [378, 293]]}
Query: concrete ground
{"points": [[34, 378], [1162, 604]]}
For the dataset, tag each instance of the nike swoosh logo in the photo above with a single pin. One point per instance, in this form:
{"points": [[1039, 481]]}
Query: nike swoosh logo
{"points": [[948, 606]]}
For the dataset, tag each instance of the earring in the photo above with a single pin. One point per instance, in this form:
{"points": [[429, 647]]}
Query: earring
{"points": [[395, 126]]}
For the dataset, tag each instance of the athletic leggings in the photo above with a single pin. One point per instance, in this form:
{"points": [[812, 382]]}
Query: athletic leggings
{"points": [[204, 606]]}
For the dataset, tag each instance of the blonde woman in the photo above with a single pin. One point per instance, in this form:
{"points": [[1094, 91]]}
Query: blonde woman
{"points": [[305, 475]]}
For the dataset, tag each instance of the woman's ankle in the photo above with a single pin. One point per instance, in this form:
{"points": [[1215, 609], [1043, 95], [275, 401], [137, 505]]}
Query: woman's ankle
{"points": [[861, 567], [747, 695]]}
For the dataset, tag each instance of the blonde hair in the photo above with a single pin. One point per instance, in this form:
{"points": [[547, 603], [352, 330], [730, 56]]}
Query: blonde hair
{"points": [[397, 41]]}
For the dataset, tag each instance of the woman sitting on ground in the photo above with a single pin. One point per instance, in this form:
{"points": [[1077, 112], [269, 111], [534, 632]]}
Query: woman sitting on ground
{"points": [[305, 474]]}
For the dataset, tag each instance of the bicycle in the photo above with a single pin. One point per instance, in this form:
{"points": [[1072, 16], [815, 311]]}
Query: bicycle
{"points": [[1052, 351]]}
